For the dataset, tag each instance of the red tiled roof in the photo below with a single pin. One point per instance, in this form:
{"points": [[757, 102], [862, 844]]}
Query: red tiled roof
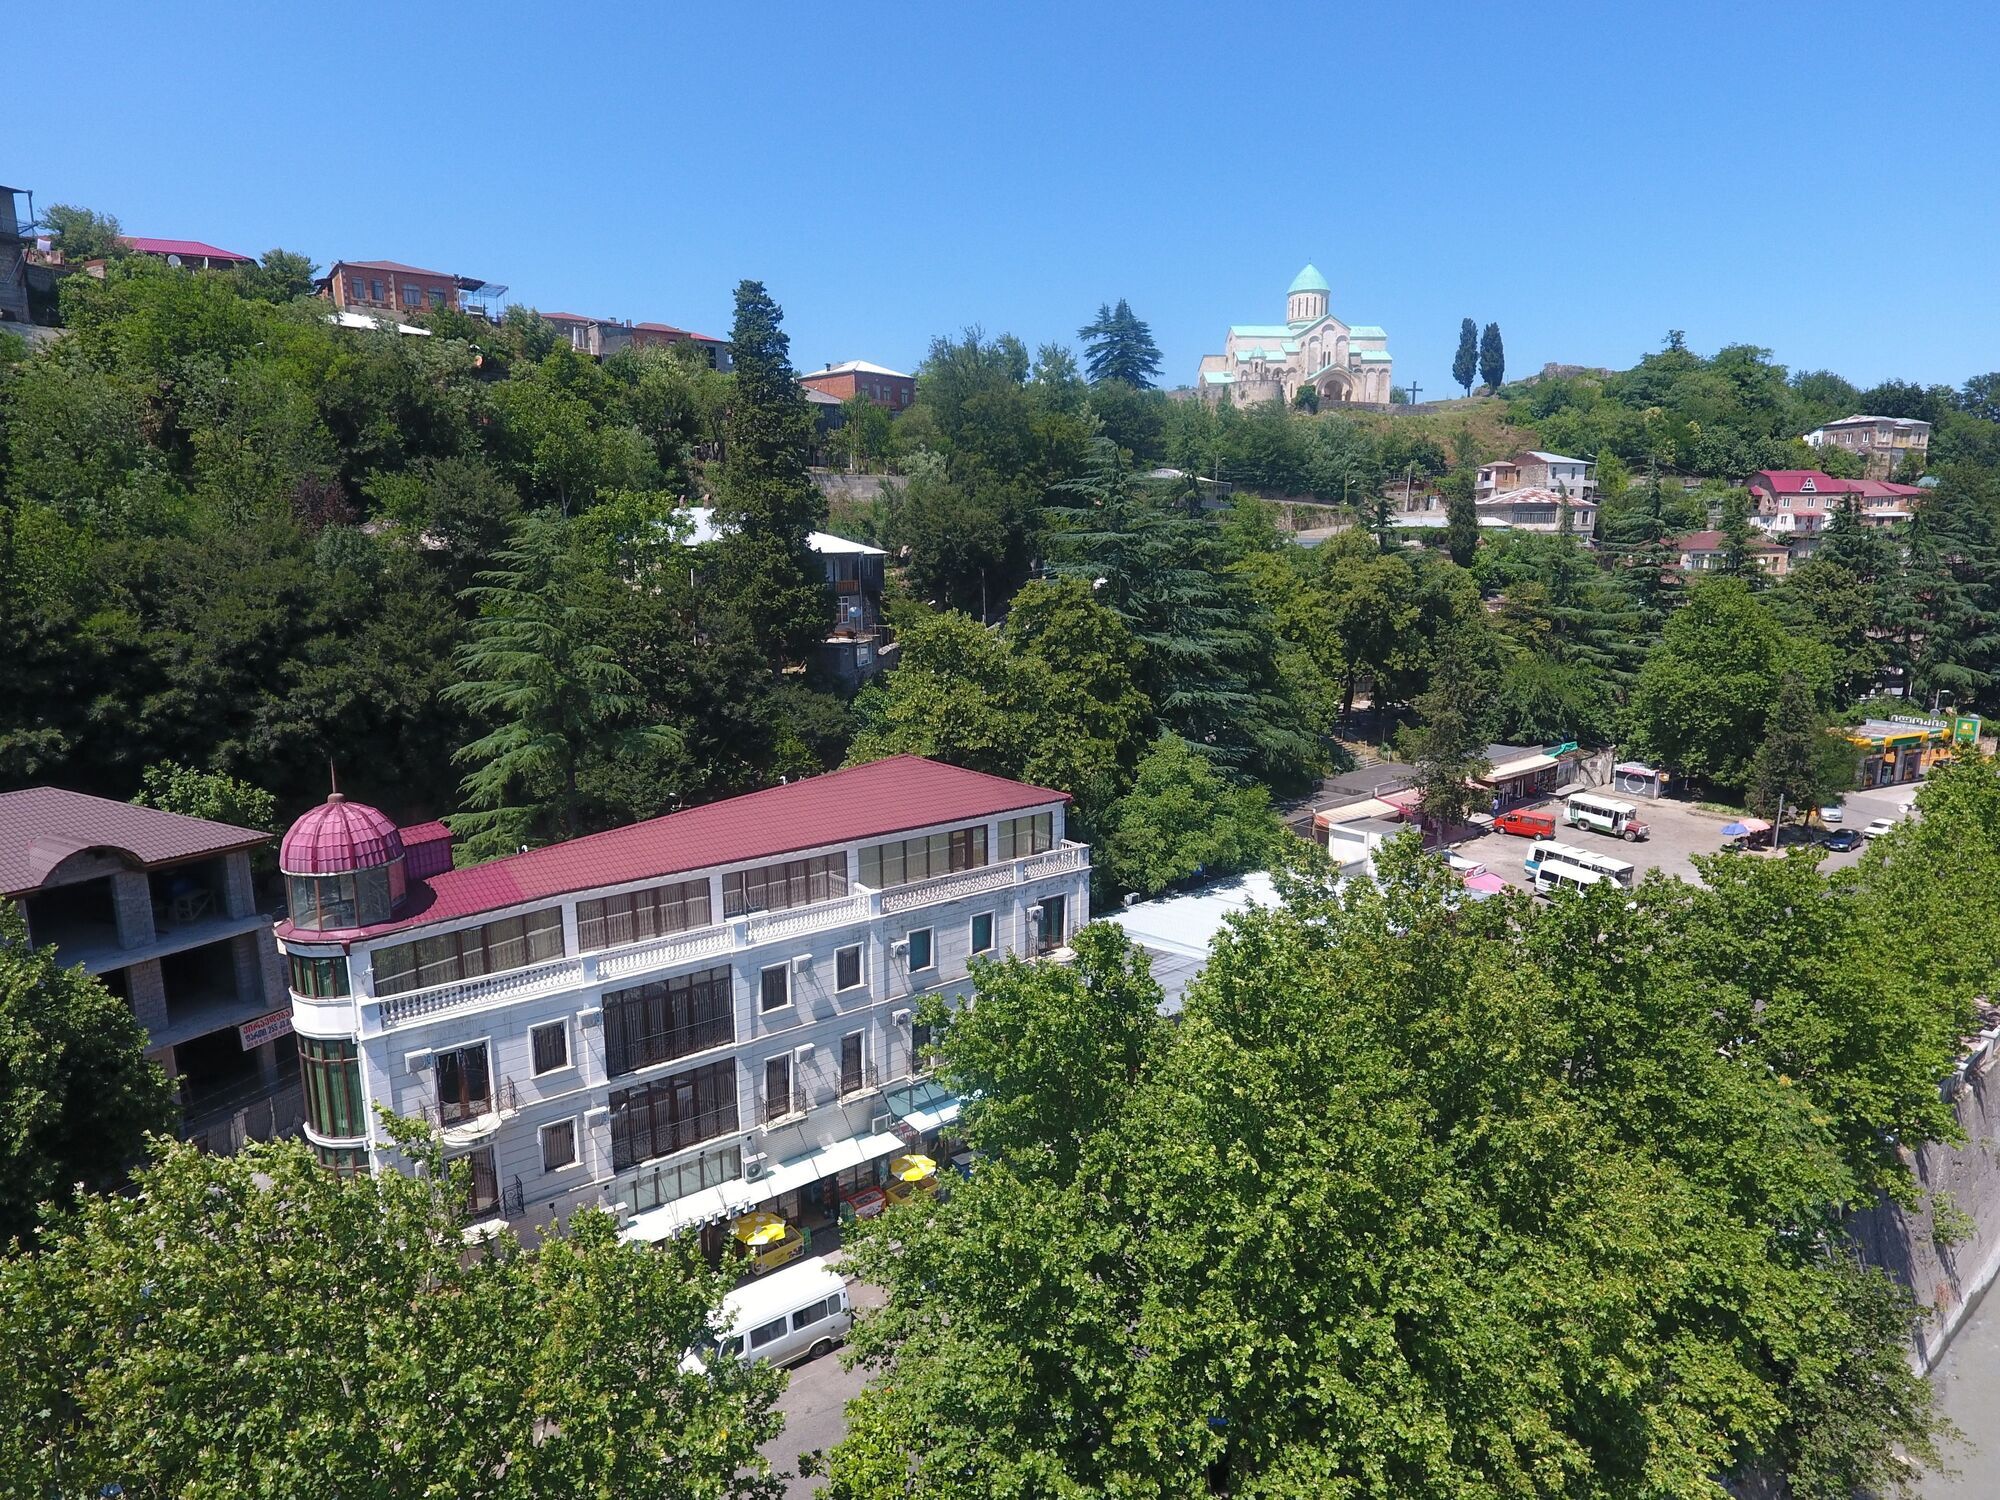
{"points": [[1882, 489], [183, 248], [1793, 481], [339, 836], [882, 798], [391, 265], [42, 826], [1715, 541], [568, 318], [686, 333]]}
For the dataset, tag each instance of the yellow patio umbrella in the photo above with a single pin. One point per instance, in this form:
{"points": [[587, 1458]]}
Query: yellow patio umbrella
{"points": [[912, 1168], [759, 1229]]}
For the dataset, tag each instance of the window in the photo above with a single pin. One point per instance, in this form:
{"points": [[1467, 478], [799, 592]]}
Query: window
{"points": [[777, 1087], [663, 1184], [905, 860], [982, 933], [920, 1043], [767, 1333], [357, 289], [668, 1018], [637, 915], [774, 987], [319, 978], [375, 288], [850, 1063], [437, 296], [1020, 837], [550, 1044], [847, 968], [330, 1077], [660, 1118], [1050, 935], [464, 1084], [795, 882], [511, 943], [813, 1312], [921, 956], [482, 1193], [413, 296], [345, 1162], [558, 1145]]}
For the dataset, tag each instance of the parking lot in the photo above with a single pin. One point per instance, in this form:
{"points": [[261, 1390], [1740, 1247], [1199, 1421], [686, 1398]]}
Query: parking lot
{"points": [[1681, 830]]}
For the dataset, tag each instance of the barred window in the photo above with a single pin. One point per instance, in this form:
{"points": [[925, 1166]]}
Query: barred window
{"points": [[637, 915], [551, 1046], [671, 1114], [558, 1145], [668, 1018]]}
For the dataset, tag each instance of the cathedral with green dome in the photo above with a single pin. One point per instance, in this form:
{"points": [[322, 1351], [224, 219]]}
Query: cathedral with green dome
{"points": [[1342, 362]]}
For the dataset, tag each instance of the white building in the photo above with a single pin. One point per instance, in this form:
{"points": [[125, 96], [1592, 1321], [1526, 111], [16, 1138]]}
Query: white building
{"points": [[1884, 443], [1533, 469], [681, 1018]]}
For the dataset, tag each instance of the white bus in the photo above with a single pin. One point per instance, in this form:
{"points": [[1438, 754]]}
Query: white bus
{"points": [[1604, 815], [790, 1314], [1550, 865]]}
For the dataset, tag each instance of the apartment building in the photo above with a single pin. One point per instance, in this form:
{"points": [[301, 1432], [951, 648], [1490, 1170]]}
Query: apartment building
{"points": [[683, 1018], [857, 377], [1884, 443], [1534, 469], [1708, 552], [163, 909], [388, 288]]}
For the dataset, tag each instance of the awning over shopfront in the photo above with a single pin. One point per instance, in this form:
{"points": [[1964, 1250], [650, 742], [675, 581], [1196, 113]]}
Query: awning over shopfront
{"points": [[1525, 765], [727, 1200], [923, 1106]]}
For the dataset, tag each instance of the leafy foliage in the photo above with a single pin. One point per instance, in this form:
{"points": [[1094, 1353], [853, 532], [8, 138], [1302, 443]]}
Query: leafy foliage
{"points": [[1181, 821], [252, 1324], [1118, 346]]}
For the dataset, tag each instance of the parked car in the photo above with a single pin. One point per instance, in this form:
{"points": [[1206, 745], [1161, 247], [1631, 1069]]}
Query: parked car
{"points": [[1833, 812], [1878, 827], [1842, 840], [1527, 825]]}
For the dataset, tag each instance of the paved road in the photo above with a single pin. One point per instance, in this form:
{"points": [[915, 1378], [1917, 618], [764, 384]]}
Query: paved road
{"points": [[814, 1406]]}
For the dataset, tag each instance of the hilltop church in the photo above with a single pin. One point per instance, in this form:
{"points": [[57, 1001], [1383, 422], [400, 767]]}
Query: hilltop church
{"points": [[1275, 361]]}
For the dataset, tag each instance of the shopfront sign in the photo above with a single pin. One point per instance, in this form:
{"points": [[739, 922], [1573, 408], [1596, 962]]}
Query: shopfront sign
{"points": [[253, 1034]]}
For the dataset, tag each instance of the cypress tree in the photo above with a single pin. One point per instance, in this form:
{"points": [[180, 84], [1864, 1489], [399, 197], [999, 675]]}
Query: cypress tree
{"points": [[1492, 357], [1465, 364], [766, 503]]}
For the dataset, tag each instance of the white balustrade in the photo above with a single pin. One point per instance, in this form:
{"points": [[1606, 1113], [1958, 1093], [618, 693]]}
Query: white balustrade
{"points": [[561, 973], [768, 926]]}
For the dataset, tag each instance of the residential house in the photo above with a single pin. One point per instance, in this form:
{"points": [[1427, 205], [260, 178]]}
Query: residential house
{"points": [[387, 288], [681, 1019], [1533, 469], [860, 644], [1793, 505], [193, 254], [857, 377], [600, 337], [1884, 443], [1708, 551], [163, 909], [1537, 508]]}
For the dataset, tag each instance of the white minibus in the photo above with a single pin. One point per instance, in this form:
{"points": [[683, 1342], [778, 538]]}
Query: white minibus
{"points": [[1546, 857], [1605, 815], [791, 1314]]}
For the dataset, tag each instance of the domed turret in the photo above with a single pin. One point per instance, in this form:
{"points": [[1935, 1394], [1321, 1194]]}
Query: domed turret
{"points": [[1305, 302], [343, 866]]}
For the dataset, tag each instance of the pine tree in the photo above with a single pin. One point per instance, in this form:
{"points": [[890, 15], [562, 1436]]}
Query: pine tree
{"points": [[1461, 524], [766, 503], [1448, 745], [1465, 364], [1118, 346], [1209, 663], [1737, 537], [538, 669], [1492, 357], [1799, 766]]}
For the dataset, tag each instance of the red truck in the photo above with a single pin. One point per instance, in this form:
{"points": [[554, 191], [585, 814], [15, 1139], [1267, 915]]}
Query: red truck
{"points": [[1527, 825]]}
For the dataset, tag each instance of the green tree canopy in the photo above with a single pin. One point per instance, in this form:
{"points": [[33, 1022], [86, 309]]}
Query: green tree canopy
{"points": [[1492, 357], [77, 1092], [1465, 363], [1181, 820], [252, 1324], [1118, 346]]}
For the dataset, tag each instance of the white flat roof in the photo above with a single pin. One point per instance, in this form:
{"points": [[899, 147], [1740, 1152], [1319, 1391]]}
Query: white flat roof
{"points": [[702, 529]]}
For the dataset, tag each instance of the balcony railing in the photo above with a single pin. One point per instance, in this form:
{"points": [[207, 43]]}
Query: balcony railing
{"points": [[730, 936], [455, 1114]]}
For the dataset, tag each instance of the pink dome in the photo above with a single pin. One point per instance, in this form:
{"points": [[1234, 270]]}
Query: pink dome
{"points": [[339, 836]]}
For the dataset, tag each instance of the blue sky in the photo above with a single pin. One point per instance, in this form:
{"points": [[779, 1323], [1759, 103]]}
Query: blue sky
{"points": [[1818, 178]]}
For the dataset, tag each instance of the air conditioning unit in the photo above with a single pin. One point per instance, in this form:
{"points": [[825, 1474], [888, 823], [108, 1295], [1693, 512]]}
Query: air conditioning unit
{"points": [[803, 1051], [802, 961], [901, 945], [880, 1124], [900, 1017], [417, 1062], [755, 1165]]}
